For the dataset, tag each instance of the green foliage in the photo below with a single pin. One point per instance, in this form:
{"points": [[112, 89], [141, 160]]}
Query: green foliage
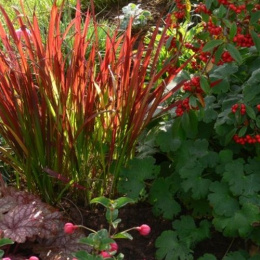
{"points": [[178, 244], [208, 148], [4, 242], [132, 178]]}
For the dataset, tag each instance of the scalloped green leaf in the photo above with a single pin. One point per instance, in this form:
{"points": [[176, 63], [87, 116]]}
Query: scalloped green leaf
{"points": [[220, 193], [170, 248]]}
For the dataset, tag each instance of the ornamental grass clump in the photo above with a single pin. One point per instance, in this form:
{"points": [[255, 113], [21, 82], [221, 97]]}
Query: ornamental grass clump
{"points": [[71, 118]]}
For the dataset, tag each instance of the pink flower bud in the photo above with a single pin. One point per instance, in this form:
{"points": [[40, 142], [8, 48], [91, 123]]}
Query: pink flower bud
{"points": [[144, 230], [69, 228], [113, 247], [33, 258], [6, 258], [105, 254]]}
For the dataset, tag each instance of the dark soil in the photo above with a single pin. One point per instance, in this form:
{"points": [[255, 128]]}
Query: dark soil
{"points": [[143, 247]]}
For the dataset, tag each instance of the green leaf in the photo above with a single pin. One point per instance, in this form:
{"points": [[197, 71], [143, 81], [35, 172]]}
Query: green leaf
{"points": [[83, 255], [235, 54], [124, 235], [220, 12], [232, 31], [235, 181], [256, 39], [116, 222], [132, 178], [221, 87], [188, 231], [190, 124], [219, 53], [1, 253], [225, 156], [240, 222], [205, 85], [224, 71], [242, 131], [250, 112], [236, 256], [192, 175], [163, 198], [5, 241], [209, 3], [254, 17], [167, 142], [255, 78], [211, 45], [101, 200], [220, 194], [207, 257], [170, 248], [111, 215], [121, 202], [230, 135], [199, 148]]}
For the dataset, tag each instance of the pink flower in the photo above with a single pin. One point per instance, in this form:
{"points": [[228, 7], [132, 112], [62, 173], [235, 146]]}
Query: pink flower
{"points": [[144, 230], [69, 228], [6, 258], [19, 33], [105, 254], [33, 258], [113, 247]]}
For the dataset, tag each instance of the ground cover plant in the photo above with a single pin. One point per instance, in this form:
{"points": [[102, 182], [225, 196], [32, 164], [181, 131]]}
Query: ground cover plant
{"points": [[207, 148], [198, 165]]}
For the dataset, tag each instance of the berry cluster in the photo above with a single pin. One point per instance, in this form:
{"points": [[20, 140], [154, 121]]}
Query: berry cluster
{"points": [[191, 47], [204, 56], [248, 139], [225, 58], [242, 107], [212, 28], [201, 8], [195, 65], [223, 2], [193, 85], [237, 9], [243, 40], [183, 106], [180, 14]]}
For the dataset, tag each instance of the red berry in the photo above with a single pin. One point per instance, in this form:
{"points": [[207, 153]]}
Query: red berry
{"points": [[144, 230], [113, 247], [258, 107], [105, 254], [69, 228]]}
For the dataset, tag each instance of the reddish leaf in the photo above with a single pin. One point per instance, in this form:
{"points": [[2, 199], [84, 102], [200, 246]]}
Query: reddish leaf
{"points": [[22, 222]]}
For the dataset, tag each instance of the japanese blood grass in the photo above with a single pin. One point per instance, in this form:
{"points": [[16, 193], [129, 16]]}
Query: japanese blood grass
{"points": [[72, 120]]}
